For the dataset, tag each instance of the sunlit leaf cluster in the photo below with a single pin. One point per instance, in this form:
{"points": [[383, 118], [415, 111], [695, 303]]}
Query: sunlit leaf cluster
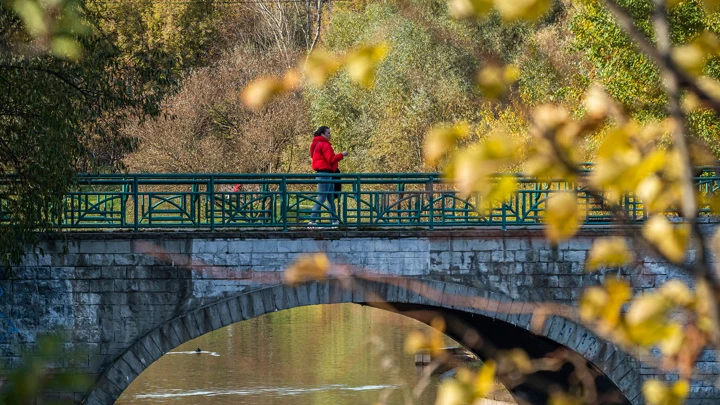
{"points": [[361, 64]]}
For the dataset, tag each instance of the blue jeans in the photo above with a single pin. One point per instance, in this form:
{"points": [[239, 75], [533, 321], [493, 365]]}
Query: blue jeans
{"points": [[325, 193]]}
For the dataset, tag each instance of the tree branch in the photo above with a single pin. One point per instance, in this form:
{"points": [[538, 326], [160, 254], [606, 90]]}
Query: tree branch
{"points": [[664, 61]]}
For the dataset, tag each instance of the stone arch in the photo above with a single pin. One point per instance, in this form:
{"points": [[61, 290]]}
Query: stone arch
{"points": [[611, 362]]}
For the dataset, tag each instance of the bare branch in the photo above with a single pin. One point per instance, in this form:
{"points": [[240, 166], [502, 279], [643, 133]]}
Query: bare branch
{"points": [[317, 31]]}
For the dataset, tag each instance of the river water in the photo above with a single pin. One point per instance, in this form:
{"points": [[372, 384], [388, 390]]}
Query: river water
{"points": [[326, 354]]}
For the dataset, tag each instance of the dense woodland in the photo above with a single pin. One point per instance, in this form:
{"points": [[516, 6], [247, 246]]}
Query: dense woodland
{"points": [[157, 87], [427, 77]]}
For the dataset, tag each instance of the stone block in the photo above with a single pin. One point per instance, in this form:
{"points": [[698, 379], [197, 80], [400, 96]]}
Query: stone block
{"points": [[113, 272], [240, 246], [574, 256], [212, 314], [214, 246], [141, 353], [501, 256], [191, 325], [414, 245], [313, 296], [223, 309], [98, 396], [245, 304], [132, 362], [167, 334], [517, 244], [295, 245], [265, 246], [258, 306], [151, 347], [386, 245], [120, 374], [87, 273], [487, 245], [92, 246]]}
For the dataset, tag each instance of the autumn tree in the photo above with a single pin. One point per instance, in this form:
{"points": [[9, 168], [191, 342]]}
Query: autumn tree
{"points": [[71, 78]]}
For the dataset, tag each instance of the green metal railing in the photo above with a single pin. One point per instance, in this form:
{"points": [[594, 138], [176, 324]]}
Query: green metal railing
{"points": [[207, 201]]}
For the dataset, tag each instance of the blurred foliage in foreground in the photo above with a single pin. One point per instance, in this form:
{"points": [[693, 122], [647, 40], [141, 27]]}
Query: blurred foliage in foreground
{"points": [[42, 373], [650, 97]]}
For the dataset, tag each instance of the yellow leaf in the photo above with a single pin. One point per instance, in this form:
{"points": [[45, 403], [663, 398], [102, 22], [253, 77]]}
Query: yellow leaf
{"points": [[320, 65], [499, 192], [608, 252], [563, 216], [690, 57], [416, 341], [467, 172], [451, 392], [603, 304], [658, 393], [520, 359], [469, 8], [32, 15], [441, 139], [291, 80], [493, 80], [363, 63], [619, 292], [710, 86], [261, 91], [645, 308], [66, 47], [597, 102], [561, 398], [491, 83], [522, 9], [655, 195], [308, 267], [678, 293], [511, 73], [485, 379], [673, 339], [498, 148], [670, 239], [647, 323], [594, 300]]}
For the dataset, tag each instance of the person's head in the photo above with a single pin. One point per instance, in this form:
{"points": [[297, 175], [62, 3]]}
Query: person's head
{"points": [[323, 131]]}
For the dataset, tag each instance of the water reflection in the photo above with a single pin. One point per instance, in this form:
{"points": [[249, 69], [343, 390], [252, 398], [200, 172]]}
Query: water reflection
{"points": [[327, 354]]}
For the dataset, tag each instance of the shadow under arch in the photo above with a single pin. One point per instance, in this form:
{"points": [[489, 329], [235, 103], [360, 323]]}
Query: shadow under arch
{"points": [[615, 372]]}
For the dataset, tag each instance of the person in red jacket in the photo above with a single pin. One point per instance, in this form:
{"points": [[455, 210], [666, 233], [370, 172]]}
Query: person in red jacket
{"points": [[325, 163]]}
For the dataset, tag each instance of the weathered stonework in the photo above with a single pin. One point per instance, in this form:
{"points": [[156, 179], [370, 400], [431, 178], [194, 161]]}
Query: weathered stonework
{"points": [[126, 299]]}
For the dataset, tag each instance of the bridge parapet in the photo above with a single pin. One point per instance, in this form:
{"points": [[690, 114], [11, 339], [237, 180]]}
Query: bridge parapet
{"points": [[267, 201]]}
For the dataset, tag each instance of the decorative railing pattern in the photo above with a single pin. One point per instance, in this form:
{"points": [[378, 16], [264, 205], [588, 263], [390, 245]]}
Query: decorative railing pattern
{"points": [[208, 201]]}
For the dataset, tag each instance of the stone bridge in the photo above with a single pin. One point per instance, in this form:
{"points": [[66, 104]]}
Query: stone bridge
{"points": [[125, 299]]}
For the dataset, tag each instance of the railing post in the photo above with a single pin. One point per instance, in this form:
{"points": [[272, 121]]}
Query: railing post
{"points": [[504, 214], [211, 197], [136, 202], [358, 205], [429, 187], [284, 202]]}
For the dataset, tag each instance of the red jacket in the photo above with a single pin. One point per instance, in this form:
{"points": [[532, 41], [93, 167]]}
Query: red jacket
{"points": [[323, 156]]}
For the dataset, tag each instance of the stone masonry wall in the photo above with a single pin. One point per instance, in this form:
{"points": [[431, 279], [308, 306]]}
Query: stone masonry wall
{"points": [[107, 290]]}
